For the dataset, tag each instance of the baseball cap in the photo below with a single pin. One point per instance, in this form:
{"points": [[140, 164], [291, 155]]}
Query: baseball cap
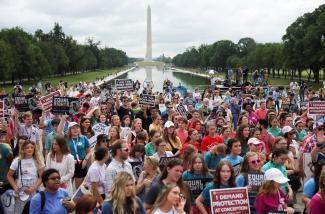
{"points": [[276, 175], [169, 124], [287, 129], [71, 124], [254, 140]]}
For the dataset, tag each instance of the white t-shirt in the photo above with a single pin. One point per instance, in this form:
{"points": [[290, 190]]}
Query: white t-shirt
{"points": [[28, 172], [31, 133], [167, 154], [96, 173], [171, 211]]}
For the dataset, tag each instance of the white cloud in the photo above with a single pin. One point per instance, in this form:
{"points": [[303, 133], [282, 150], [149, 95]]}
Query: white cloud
{"points": [[176, 24]]}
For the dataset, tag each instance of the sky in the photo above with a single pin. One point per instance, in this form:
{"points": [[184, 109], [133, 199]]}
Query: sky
{"points": [[176, 24]]}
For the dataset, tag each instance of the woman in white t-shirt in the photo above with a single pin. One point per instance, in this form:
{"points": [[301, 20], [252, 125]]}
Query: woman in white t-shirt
{"points": [[170, 201], [29, 169], [60, 159], [96, 175]]}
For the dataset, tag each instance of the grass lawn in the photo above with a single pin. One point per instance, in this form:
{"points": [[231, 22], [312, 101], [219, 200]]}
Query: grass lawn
{"points": [[71, 79]]}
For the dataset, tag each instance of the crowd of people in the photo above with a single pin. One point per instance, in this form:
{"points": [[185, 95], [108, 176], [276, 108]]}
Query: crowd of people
{"points": [[143, 156]]}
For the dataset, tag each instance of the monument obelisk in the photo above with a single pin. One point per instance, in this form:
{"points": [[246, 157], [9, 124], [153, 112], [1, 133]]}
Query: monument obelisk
{"points": [[149, 41]]}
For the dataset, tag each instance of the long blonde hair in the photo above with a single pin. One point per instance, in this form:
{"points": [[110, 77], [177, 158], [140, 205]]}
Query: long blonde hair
{"points": [[117, 195], [162, 197], [267, 188], [36, 155]]}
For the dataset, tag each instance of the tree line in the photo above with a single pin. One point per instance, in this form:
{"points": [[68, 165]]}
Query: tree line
{"points": [[27, 56], [302, 48]]}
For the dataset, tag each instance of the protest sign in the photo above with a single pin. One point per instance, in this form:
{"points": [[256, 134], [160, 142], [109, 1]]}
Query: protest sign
{"points": [[164, 160], [25, 103], [6, 101], [255, 180], [65, 105], [93, 141], [308, 166], [46, 101], [197, 185], [146, 99], [316, 107], [137, 168], [100, 128], [2, 109], [230, 201], [124, 84], [182, 110]]}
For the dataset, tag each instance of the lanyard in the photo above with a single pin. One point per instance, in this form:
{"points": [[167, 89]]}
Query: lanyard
{"points": [[75, 147], [28, 135]]}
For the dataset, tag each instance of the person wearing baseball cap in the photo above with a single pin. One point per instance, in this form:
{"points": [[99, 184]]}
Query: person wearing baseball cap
{"points": [[255, 145], [271, 197]]}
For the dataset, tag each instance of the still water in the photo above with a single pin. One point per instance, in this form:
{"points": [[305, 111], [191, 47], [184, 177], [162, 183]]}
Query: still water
{"points": [[158, 75]]}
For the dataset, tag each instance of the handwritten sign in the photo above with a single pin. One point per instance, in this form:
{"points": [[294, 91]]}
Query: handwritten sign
{"points": [[197, 185], [25, 103], [316, 107], [182, 110], [46, 101], [100, 128], [65, 105], [137, 168], [124, 84], [230, 201], [146, 99]]}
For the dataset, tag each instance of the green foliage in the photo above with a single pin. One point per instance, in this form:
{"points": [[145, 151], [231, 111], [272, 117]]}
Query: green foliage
{"points": [[303, 47], [38, 56]]}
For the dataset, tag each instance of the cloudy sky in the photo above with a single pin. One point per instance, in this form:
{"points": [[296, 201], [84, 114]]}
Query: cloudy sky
{"points": [[176, 24]]}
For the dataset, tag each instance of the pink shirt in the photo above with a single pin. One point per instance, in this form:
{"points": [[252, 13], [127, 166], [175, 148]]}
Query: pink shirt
{"points": [[317, 206], [267, 203], [182, 135]]}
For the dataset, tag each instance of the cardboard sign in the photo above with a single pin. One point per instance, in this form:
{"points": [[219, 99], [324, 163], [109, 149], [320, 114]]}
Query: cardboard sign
{"points": [[182, 110], [25, 103], [65, 105], [146, 99], [164, 160], [2, 109], [100, 128], [46, 101], [197, 185], [308, 166], [255, 180], [137, 168], [124, 85], [316, 107], [93, 141], [230, 201], [6, 101]]}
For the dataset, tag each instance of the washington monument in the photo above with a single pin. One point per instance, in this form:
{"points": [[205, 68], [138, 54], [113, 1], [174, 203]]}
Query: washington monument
{"points": [[149, 41]]}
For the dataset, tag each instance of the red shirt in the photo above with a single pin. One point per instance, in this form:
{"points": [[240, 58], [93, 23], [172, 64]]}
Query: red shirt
{"points": [[268, 140], [196, 144], [182, 135], [261, 113], [208, 142]]}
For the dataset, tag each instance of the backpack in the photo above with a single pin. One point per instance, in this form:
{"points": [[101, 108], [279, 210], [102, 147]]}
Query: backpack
{"points": [[27, 205]]}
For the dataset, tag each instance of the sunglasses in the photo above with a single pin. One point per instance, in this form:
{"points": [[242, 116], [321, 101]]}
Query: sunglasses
{"points": [[124, 101], [255, 161], [55, 178], [104, 141], [125, 149]]}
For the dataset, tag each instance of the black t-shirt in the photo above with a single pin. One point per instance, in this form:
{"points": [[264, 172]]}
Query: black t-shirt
{"points": [[123, 111]]}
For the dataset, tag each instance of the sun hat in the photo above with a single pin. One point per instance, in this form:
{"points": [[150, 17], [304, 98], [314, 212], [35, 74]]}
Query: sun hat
{"points": [[276, 175], [169, 124], [71, 124]]}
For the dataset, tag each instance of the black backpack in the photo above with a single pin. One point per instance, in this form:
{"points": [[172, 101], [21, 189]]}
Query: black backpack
{"points": [[27, 205]]}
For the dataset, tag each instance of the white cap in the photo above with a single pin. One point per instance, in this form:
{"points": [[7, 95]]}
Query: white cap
{"points": [[276, 175], [73, 124], [287, 129], [254, 140], [169, 124]]}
